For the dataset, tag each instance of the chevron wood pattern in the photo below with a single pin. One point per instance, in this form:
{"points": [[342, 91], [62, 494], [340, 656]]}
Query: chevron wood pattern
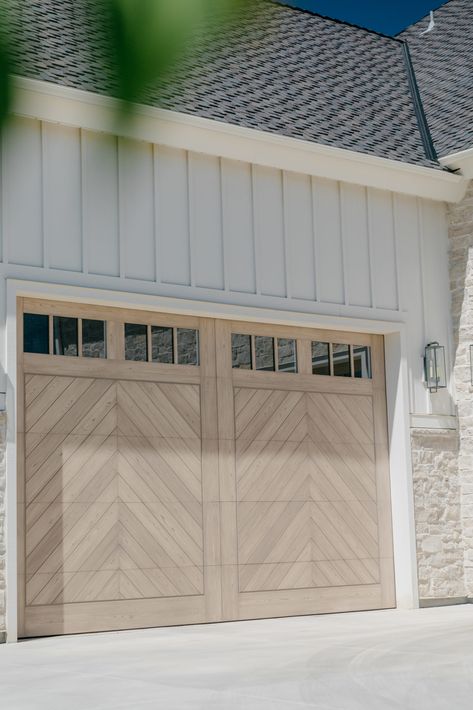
{"points": [[306, 490], [113, 490], [154, 494]]}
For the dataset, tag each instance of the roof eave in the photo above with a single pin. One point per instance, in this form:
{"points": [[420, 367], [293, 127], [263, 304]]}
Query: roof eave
{"points": [[462, 161], [81, 109]]}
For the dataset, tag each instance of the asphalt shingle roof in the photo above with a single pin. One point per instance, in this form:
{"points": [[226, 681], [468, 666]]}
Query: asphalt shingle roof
{"points": [[443, 61], [288, 72]]}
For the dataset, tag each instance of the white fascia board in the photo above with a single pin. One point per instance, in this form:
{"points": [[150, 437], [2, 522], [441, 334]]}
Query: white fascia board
{"points": [[73, 107], [462, 161]]}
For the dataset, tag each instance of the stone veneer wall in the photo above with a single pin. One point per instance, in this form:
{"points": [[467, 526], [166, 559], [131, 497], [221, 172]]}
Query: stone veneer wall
{"points": [[438, 513], [461, 284], [2, 524]]}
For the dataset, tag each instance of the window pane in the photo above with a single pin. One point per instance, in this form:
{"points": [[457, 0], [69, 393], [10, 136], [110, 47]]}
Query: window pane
{"points": [[65, 336], [162, 346], [287, 355], [241, 352], [341, 360], [362, 361], [320, 358], [93, 338], [187, 346], [35, 333], [264, 348], [136, 342]]}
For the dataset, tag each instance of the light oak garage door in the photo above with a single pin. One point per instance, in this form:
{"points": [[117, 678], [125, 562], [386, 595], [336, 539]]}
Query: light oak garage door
{"points": [[179, 470]]}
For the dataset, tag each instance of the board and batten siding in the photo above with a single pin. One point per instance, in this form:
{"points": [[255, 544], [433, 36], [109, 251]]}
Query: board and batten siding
{"points": [[94, 210]]}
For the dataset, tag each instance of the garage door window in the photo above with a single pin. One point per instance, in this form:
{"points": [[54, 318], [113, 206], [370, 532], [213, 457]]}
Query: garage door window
{"points": [[341, 360], [66, 337], [36, 333], [93, 338]]}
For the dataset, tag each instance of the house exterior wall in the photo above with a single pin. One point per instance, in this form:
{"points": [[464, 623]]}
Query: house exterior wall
{"points": [[461, 280], [91, 210], [94, 210]]}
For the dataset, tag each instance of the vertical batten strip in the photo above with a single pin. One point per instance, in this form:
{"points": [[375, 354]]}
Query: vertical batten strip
{"points": [[190, 202], [285, 230], [394, 204], [226, 286], [315, 244], [83, 206], [43, 172], [255, 233], [121, 244], [420, 240], [369, 232], [156, 230], [346, 299]]}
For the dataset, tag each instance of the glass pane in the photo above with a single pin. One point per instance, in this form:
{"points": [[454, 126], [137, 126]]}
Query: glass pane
{"points": [[320, 358], [341, 360], [65, 336], [162, 345], [264, 347], [287, 355], [362, 361], [136, 342], [93, 338], [241, 352], [35, 333], [187, 346]]}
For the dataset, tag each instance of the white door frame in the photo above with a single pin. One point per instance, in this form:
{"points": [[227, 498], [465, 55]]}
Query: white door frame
{"points": [[397, 392]]}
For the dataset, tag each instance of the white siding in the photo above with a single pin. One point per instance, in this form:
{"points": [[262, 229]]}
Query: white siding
{"points": [[93, 210], [100, 196]]}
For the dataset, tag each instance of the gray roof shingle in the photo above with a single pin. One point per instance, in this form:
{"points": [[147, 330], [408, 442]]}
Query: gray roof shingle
{"points": [[443, 61], [284, 71]]}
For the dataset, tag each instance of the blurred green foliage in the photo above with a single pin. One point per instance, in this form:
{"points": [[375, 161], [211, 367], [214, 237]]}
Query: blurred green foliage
{"points": [[149, 35], [141, 39]]}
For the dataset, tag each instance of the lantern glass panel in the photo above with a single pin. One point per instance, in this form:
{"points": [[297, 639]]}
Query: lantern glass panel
{"points": [[435, 367]]}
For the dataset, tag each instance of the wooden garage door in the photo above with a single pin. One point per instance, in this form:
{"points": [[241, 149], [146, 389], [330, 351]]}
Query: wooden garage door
{"points": [[166, 478], [304, 472]]}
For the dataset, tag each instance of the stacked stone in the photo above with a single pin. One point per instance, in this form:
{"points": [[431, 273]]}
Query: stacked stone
{"points": [[437, 499], [461, 283]]}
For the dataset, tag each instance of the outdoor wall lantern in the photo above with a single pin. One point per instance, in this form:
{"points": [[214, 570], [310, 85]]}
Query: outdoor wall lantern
{"points": [[434, 367]]}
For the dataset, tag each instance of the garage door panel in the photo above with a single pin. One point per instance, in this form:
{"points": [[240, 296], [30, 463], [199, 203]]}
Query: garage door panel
{"points": [[272, 532], [273, 577], [157, 494], [70, 412], [305, 601], [274, 417], [157, 410], [281, 467], [333, 419], [72, 469], [142, 462]]}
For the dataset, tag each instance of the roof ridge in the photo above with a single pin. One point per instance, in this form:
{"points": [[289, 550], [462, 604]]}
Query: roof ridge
{"points": [[313, 13]]}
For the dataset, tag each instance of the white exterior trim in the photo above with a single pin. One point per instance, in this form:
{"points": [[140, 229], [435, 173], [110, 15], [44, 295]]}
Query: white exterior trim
{"points": [[462, 161], [72, 107], [433, 421], [405, 561]]}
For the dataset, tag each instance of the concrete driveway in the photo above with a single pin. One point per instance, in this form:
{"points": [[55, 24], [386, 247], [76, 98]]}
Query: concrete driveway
{"points": [[367, 661]]}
